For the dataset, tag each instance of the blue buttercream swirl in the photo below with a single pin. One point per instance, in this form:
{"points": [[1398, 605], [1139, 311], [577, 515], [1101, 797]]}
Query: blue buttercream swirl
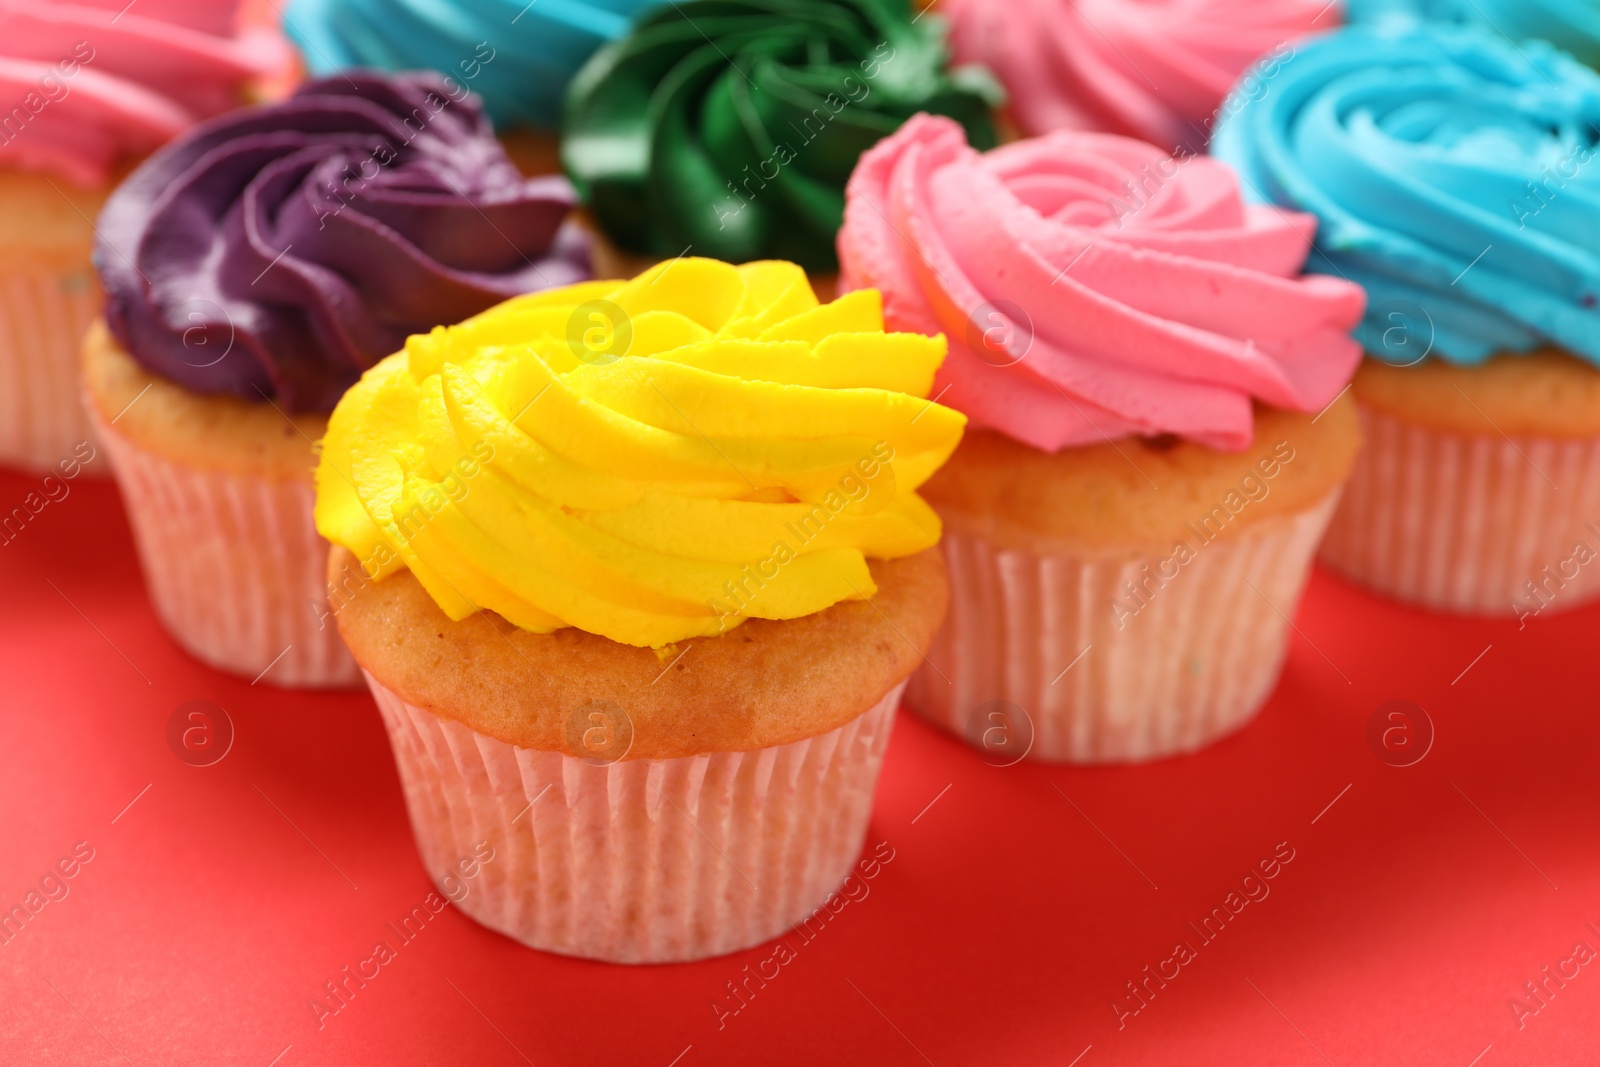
{"points": [[1571, 25], [517, 56], [1453, 174]]}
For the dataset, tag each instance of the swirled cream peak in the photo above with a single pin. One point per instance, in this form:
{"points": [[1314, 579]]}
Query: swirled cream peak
{"points": [[1094, 287], [278, 251], [1152, 69], [87, 85], [1571, 25], [730, 126], [648, 461], [519, 56], [1453, 176]]}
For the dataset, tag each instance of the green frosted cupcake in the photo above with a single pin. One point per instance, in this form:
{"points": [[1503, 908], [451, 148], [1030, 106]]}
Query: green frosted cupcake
{"points": [[729, 127]]}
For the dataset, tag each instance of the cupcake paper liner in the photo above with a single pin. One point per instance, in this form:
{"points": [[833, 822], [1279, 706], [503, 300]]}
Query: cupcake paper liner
{"points": [[235, 567], [43, 318], [639, 861], [1039, 634], [1474, 523]]}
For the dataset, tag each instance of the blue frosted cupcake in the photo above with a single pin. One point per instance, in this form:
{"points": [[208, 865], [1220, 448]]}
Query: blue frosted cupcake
{"points": [[1453, 174], [517, 56], [1571, 25]]}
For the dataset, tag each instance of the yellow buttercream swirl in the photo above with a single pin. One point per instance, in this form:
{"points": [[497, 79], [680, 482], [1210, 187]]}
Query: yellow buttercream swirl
{"points": [[648, 461]]}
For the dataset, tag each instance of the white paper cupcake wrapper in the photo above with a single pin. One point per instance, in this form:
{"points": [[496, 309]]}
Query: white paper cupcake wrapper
{"points": [[43, 318], [1469, 522], [642, 861], [235, 568], [1039, 633]]}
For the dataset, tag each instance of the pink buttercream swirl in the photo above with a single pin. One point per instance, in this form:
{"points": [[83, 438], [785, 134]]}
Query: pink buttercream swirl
{"points": [[1093, 287], [87, 85], [1153, 69]]}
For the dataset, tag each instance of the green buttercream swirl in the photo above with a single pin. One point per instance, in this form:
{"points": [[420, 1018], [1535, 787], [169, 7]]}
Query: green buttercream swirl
{"points": [[729, 127]]}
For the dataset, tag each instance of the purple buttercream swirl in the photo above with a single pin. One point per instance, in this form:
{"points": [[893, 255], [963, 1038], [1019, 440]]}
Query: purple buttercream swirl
{"points": [[279, 251]]}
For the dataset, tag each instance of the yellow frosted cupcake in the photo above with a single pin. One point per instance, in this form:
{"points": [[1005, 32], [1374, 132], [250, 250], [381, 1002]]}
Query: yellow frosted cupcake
{"points": [[637, 572]]}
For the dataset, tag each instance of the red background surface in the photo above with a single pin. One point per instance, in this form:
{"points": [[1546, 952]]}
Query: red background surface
{"points": [[220, 902]]}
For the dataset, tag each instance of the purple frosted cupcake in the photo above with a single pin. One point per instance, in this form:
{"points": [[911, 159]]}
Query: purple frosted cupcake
{"points": [[253, 269]]}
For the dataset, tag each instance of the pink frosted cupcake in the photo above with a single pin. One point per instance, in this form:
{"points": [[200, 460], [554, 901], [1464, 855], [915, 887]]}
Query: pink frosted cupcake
{"points": [[1156, 446], [90, 88], [637, 573], [1157, 70]]}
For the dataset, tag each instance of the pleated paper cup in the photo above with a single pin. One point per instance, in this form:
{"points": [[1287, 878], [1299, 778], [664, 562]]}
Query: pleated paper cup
{"points": [[1035, 662], [1477, 523], [231, 556], [642, 806], [42, 320], [639, 861], [1127, 600], [48, 297]]}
